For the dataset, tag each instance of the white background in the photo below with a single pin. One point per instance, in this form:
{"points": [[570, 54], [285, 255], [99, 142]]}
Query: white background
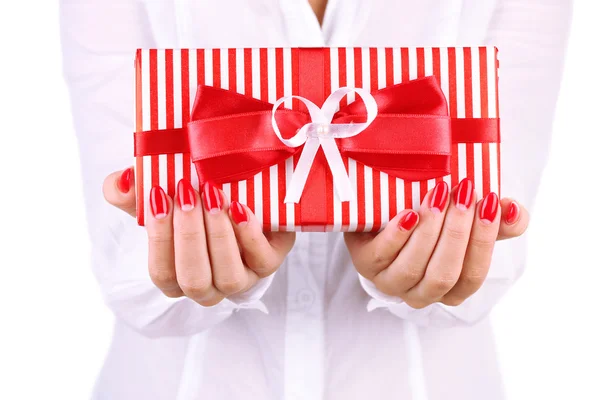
{"points": [[55, 330]]}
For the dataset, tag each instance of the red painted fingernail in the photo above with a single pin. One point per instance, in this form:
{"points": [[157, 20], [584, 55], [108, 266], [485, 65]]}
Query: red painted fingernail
{"points": [[408, 221], [124, 182], [439, 197], [238, 213], [185, 195], [212, 198], [513, 213], [489, 208], [158, 202], [463, 195]]}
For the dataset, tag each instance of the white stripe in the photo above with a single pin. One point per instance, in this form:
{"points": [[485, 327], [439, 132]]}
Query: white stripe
{"points": [[161, 84], [289, 210], [412, 63], [271, 76], [256, 73], [350, 81], [274, 194], [335, 80], [227, 191], [193, 59], [491, 82], [369, 206], [397, 61], [478, 166], [494, 186], [145, 90], [239, 71], [448, 180], [460, 83], [178, 164], [334, 69], [162, 169], [416, 195], [243, 192], [428, 61], [431, 184], [177, 88], [208, 67], [366, 68], [462, 161], [147, 161], [476, 87], [287, 76], [258, 205], [224, 55], [194, 177], [385, 198], [381, 67], [444, 73], [400, 204], [353, 207]]}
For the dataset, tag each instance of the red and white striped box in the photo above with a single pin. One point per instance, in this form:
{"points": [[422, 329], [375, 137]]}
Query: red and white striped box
{"points": [[166, 84]]}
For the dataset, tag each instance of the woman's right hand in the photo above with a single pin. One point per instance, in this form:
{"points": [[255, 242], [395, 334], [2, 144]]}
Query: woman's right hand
{"points": [[201, 247]]}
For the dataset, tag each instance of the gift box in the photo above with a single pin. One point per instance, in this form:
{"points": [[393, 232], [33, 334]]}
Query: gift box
{"points": [[273, 129]]}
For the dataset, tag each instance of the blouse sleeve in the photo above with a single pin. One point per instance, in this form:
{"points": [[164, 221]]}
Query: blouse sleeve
{"points": [[531, 36], [99, 39]]}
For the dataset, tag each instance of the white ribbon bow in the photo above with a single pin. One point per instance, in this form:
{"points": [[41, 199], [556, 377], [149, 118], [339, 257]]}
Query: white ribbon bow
{"points": [[322, 133]]}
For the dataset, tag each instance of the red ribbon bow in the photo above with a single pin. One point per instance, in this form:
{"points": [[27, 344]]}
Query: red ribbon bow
{"points": [[230, 136]]}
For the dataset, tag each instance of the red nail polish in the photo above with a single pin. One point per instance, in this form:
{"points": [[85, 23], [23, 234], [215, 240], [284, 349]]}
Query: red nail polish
{"points": [[238, 213], [158, 202], [124, 182], [439, 197], [463, 195], [408, 221], [513, 213], [185, 195], [212, 198], [489, 208]]}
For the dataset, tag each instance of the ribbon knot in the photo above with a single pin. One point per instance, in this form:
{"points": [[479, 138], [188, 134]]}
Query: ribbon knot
{"points": [[321, 133]]}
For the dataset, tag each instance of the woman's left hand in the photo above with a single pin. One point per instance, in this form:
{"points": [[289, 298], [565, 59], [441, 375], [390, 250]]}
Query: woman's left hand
{"points": [[443, 252]]}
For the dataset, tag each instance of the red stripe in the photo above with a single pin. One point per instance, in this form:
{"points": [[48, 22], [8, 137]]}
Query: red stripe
{"points": [[281, 177], [154, 112], [264, 75], [404, 55], [389, 67], [498, 116], [343, 72], [216, 60], [485, 148], [468, 67], [232, 61], [453, 110], [139, 162], [392, 196], [185, 105], [420, 74], [343, 81], [248, 72], [360, 176], [296, 106], [170, 119], [266, 174], [329, 177], [201, 79], [376, 175], [437, 72]]}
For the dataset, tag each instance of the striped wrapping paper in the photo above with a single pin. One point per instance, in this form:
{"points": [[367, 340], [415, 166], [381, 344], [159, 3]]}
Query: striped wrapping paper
{"points": [[166, 82]]}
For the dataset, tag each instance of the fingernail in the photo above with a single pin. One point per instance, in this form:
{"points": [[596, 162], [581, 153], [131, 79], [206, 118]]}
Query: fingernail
{"points": [[439, 197], [238, 213], [185, 195], [212, 198], [158, 202], [513, 213], [463, 195], [489, 208], [408, 221], [124, 182]]}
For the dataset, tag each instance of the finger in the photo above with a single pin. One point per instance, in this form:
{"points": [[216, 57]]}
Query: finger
{"points": [[230, 276], [372, 254], [479, 251], [257, 252], [409, 267], [515, 219], [161, 258], [445, 265], [118, 190], [192, 263]]}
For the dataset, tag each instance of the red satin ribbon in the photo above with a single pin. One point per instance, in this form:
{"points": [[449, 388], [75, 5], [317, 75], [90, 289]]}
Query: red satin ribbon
{"points": [[230, 136]]}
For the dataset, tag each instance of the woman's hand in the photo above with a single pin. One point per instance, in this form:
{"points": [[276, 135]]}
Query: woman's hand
{"points": [[201, 247], [443, 252]]}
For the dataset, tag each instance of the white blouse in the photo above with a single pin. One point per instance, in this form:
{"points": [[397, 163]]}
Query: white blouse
{"points": [[314, 330]]}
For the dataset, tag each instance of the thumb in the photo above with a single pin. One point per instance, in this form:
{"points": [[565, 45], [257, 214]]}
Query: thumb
{"points": [[515, 219], [118, 190]]}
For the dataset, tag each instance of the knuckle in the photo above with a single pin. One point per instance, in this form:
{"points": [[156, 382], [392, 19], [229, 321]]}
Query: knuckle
{"points": [[159, 238], [485, 244], [456, 234], [218, 235], [195, 289], [440, 284], [231, 286], [189, 235], [417, 304], [163, 278], [410, 276], [472, 280], [265, 269], [210, 302], [429, 235], [453, 301]]}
